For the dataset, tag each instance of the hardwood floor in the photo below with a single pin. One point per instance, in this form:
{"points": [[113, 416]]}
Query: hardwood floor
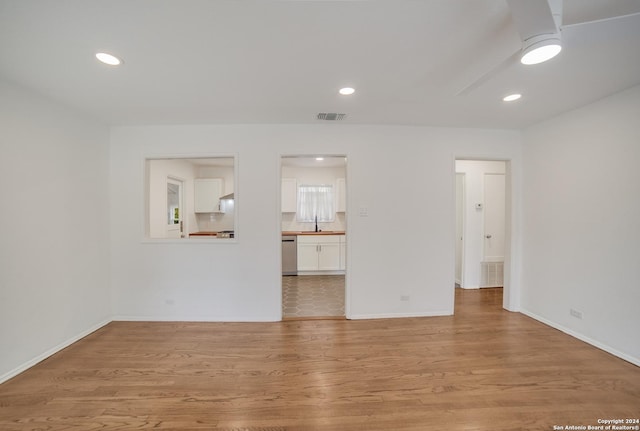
{"points": [[482, 369]]}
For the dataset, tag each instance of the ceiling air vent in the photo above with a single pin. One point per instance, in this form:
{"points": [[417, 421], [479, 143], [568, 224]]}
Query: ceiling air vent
{"points": [[330, 116]]}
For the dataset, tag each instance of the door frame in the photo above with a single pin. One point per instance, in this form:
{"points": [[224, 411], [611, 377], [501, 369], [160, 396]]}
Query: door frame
{"points": [[463, 230], [171, 179], [511, 292], [347, 296]]}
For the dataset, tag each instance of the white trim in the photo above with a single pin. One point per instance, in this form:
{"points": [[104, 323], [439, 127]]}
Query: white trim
{"points": [[193, 240], [30, 363], [206, 319], [401, 315], [327, 272], [278, 251], [145, 239], [581, 337], [460, 282]]}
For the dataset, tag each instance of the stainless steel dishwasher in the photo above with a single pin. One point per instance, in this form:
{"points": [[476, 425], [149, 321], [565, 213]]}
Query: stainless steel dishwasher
{"points": [[289, 255]]}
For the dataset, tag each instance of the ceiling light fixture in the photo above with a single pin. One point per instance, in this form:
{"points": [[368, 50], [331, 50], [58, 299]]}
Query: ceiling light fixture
{"points": [[109, 59], [539, 49], [319, 159], [347, 91], [512, 97]]}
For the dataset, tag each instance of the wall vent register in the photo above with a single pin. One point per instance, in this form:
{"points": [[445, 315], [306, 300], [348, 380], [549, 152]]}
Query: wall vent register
{"points": [[330, 116]]}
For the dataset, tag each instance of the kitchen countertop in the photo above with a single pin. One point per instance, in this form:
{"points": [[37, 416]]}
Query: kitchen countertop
{"points": [[203, 233], [310, 232], [289, 233]]}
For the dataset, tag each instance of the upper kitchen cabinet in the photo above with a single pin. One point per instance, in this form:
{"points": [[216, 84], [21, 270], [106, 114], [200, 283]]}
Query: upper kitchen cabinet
{"points": [[289, 195], [207, 193]]}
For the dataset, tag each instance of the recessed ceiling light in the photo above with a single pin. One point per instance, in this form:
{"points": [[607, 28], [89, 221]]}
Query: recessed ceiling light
{"points": [[512, 97], [319, 159], [108, 59], [346, 91]]}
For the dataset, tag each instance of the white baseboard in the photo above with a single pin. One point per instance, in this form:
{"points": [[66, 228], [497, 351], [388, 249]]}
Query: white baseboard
{"points": [[399, 315], [23, 367], [212, 319], [582, 337], [303, 273]]}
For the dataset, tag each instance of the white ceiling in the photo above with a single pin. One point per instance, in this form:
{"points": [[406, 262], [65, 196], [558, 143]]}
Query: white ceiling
{"points": [[263, 61]]}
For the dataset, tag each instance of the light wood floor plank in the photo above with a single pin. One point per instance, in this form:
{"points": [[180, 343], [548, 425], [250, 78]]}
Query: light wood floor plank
{"points": [[482, 369]]}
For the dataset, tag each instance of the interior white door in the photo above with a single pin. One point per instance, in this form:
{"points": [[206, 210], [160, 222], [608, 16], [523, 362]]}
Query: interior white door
{"points": [[494, 217], [174, 208], [460, 179]]}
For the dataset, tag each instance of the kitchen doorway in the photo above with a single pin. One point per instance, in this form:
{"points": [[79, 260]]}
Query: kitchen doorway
{"points": [[314, 240], [483, 208]]}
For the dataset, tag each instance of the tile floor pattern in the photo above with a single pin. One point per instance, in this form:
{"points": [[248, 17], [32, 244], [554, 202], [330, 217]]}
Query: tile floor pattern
{"points": [[313, 295]]}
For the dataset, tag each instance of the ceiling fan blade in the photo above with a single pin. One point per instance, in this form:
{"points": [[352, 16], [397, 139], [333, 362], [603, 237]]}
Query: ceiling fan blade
{"points": [[489, 74], [532, 17], [578, 12], [596, 21]]}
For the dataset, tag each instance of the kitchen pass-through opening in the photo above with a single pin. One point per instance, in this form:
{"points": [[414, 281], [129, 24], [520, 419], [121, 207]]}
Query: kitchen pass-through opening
{"points": [[314, 237]]}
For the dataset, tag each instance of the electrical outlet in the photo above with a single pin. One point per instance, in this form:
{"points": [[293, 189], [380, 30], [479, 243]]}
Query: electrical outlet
{"points": [[575, 313], [405, 298], [169, 301]]}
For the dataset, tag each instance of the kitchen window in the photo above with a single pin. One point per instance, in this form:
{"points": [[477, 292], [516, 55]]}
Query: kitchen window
{"points": [[316, 203]]}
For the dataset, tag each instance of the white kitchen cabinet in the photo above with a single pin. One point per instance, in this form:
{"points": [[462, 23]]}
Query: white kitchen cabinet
{"points": [[307, 256], [319, 252], [206, 194], [341, 195], [289, 195], [329, 256]]}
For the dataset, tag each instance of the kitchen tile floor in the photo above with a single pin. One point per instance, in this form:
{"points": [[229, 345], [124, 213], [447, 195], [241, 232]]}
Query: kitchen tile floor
{"points": [[313, 296]]}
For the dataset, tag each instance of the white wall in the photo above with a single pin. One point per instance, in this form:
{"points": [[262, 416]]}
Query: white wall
{"points": [[405, 246], [473, 254], [581, 227], [54, 259]]}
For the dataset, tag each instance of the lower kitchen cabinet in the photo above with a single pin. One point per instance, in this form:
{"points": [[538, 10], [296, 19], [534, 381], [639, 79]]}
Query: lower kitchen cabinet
{"points": [[329, 257], [307, 256], [319, 253]]}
